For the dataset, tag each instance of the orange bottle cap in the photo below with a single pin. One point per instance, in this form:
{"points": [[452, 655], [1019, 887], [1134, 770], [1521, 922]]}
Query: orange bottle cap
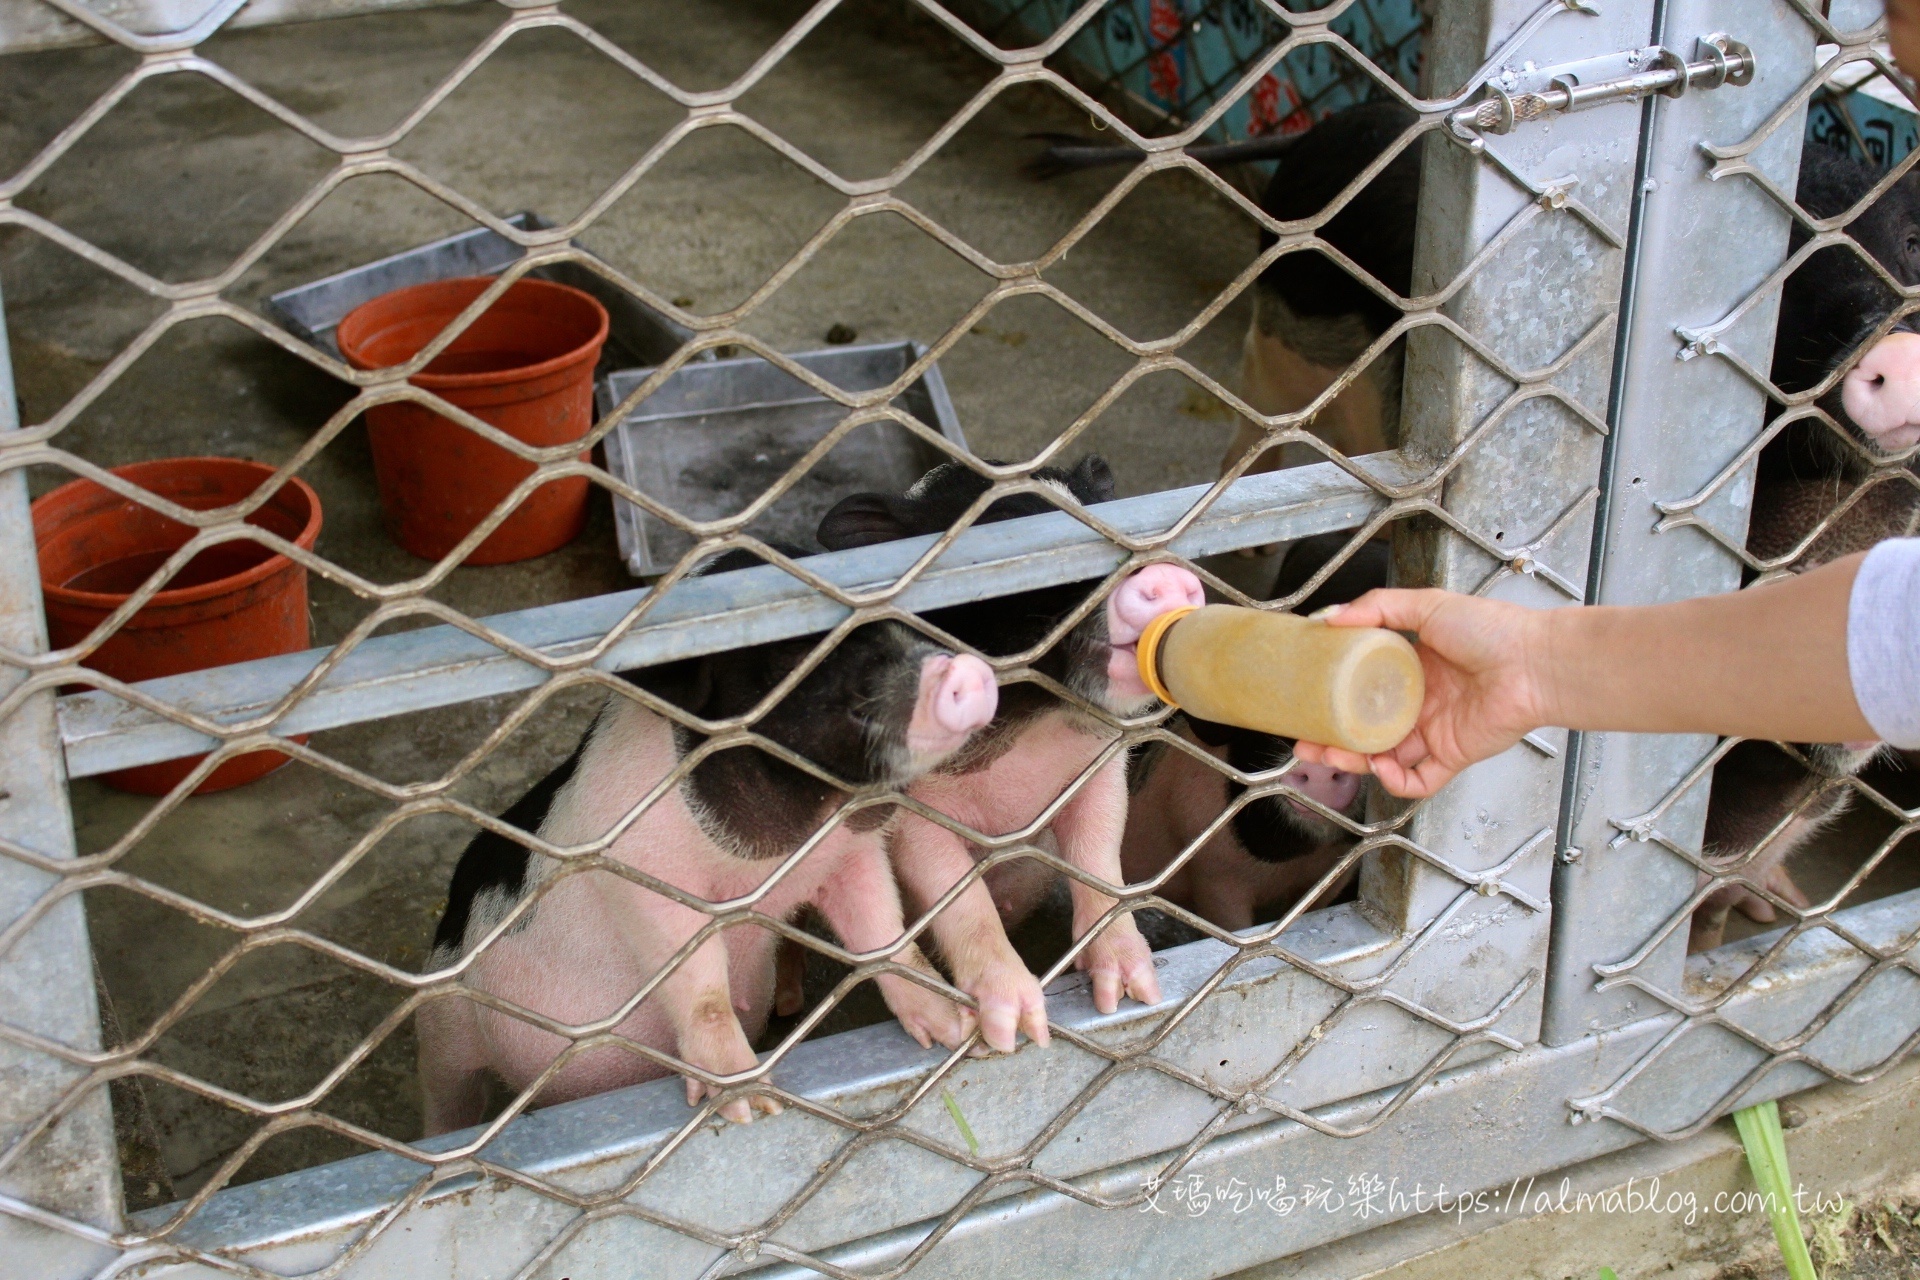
{"points": [[1148, 649]]}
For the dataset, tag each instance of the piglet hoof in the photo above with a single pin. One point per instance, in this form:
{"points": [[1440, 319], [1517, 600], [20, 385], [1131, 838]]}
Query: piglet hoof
{"points": [[1758, 909], [739, 1110], [1119, 962], [718, 1045], [1010, 1002], [1144, 596], [957, 697], [929, 1018]]}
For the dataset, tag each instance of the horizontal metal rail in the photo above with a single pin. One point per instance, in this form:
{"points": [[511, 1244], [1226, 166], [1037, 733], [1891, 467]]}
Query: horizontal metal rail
{"points": [[1361, 1041], [1249, 1196], [443, 665], [345, 1214]]}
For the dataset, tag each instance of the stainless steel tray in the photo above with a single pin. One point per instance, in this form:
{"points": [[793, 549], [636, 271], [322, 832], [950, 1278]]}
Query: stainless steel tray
{"points": [[715, 436], [637, 333]]}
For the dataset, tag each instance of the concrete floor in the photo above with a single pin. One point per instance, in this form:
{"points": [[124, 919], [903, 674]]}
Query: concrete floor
{"points": [[184, 176]]}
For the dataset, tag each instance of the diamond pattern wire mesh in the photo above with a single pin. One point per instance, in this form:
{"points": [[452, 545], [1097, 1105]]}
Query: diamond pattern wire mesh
{"points": [[1171, 61], [411, 601], [1863, 495]]}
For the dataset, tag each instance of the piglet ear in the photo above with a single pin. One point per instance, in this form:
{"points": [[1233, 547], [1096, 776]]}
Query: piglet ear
{"points": [[1092, 479], [861, 521]]}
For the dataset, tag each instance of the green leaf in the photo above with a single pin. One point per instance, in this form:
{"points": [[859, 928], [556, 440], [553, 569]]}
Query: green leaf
{"points": [[960, 1122], [1608, 1273], [1766, 1146]]}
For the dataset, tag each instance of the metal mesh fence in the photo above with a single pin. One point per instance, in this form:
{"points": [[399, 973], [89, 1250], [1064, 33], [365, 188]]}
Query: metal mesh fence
{"points": [[1792, 834], [1172, 62], [1327, 1018]]}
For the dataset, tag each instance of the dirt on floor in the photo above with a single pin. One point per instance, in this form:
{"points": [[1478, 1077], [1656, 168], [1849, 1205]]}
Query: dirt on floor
{"points": [[1853, 1242]]}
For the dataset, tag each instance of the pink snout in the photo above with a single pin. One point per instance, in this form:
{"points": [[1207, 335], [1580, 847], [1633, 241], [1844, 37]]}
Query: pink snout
{"points": [[957, 696], [1882, 393], [1334, 788], [1144, 596]]}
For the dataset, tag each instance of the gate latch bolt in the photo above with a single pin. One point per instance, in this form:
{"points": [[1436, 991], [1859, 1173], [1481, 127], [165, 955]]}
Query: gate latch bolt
{"points": [[1718, 59]]}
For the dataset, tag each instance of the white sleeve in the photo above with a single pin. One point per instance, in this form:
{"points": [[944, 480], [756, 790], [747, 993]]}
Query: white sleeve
{"points": [[1883, 640]]}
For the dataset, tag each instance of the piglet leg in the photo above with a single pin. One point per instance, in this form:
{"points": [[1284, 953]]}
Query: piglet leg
{"points": [[1767, 868], [1089, 828], [708, 1031], [789, 978], [862, 903], [930, 860], [453, 1060], [695, 997], [1710, 917]]}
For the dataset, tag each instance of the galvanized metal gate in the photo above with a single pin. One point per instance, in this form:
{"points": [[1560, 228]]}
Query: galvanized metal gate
{"points": [[1586, 389]]}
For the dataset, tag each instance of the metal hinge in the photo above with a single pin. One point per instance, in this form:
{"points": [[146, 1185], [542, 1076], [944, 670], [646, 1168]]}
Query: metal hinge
{"points": [[1718, 59]]}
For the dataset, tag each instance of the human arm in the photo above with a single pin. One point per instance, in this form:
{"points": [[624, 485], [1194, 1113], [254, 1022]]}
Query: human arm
{"points": [[1769, 662]]}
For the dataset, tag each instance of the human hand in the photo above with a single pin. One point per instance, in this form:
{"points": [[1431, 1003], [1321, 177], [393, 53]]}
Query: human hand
{"points": [[1482, 660]]}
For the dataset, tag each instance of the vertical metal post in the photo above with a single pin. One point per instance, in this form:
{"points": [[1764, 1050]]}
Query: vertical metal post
{"points": [[1558, 189], [71, 1169], [1677, 422]]}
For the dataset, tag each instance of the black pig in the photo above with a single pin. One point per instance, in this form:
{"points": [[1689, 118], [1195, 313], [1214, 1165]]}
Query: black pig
{"points": [[1311, 319]]}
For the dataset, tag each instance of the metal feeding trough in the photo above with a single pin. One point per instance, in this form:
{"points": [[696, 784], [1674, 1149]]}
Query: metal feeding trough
{"points": [[637, 334], [713, 437]]}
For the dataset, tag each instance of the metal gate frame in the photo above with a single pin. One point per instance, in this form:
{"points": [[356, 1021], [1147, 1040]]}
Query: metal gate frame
{"points": [[1506, 995]]}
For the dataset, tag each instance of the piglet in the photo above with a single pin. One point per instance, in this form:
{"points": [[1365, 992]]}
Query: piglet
{"points": [[1764, 806], [884, 707], [1828, 308], [1263, 860], [1275, 848], [1311, 318], [1010, 776]]}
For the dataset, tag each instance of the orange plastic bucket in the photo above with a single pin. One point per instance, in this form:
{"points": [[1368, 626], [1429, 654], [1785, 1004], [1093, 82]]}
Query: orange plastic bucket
{"points": [[231, 603], [526, 367]]}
